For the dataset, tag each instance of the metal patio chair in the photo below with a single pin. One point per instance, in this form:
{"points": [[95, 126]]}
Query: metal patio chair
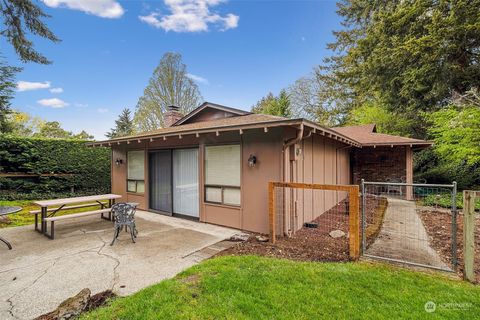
{"points": [[394, 188], [124, 216]]}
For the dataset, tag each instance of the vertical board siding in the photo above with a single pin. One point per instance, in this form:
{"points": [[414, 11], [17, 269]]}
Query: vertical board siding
{"points": [[322, 161], [308, 178]]}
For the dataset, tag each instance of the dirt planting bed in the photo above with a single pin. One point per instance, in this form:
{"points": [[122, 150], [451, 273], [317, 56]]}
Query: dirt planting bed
{"points": [[438, 225], [313, 244]]}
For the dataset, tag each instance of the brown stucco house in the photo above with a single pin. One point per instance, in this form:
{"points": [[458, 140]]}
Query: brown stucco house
{"points": [[214, 164]]}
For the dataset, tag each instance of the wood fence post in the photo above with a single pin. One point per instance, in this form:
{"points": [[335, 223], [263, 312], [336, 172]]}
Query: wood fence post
{"points": [[271, 211], [354, 222], [469, 234]]}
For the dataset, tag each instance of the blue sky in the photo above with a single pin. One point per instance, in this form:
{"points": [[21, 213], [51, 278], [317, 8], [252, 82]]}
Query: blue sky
{"points": [[238, 50]]}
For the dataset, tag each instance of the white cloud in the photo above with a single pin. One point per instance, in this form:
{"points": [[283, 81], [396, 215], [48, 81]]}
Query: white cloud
{"points": [[80, 105], [53, 102], [56, 90], [100, 8], [27, 86], [190, 16], [197, 78], [151, 19], [102, 110]]}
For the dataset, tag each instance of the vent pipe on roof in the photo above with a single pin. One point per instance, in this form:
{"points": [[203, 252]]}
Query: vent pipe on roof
{"points": [[171, 116]]}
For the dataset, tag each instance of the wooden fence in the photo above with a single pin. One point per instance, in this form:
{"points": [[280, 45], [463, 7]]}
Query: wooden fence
{"points": [[469, 198], [353, 209]]}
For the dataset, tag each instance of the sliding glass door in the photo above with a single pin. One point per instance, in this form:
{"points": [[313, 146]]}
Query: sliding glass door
{"points": [[174, 181], [160, 169], [185, 182]]}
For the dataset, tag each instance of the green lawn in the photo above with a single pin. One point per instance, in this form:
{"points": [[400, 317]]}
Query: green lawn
{"points": [[24, 217], [252, 287]]}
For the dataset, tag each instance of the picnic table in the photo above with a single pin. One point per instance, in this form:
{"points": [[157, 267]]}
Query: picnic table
{"points": [[49, 209], [5, 210]]}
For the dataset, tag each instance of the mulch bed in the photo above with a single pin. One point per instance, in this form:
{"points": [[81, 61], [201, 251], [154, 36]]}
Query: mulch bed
{"points": [[311, 244], [438, 226]]}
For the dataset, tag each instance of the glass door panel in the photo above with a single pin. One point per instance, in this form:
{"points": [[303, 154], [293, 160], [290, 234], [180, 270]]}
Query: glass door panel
{"points": [[160, 172], [185, 182]]}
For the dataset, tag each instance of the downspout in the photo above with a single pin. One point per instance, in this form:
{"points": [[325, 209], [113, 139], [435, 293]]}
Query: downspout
{"points": [[297, 139], [286, 145]]}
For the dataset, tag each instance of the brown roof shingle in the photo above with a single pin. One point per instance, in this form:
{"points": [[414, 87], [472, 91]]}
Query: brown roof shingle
{"points": [[232, 123], [358, 136], [367, 136], [220, 123]]}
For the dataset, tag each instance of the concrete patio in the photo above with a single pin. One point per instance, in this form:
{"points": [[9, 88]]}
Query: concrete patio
{"points": [[39, 273]]}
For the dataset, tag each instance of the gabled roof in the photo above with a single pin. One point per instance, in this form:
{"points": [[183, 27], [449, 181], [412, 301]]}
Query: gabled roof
{"points": [[237, 123], [207, 105], [367, 135]]}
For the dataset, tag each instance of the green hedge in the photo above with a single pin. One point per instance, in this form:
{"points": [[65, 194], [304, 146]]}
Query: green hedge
{"points": [[90, 168]]}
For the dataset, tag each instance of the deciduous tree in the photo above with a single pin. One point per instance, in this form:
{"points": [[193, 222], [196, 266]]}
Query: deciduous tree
{"points": [[456, 130], [23, 124], [169, 85]]}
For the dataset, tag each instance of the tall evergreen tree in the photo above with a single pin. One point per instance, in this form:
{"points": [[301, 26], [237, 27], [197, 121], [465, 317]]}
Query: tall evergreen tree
{"points": [[408, 56], [7, 86], [263, 103], [19, 18], [123, 125], [275, 106], [169, 85]]}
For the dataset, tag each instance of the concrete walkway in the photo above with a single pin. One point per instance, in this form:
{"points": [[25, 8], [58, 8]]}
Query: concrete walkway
{"points": [[38, 274], [403, 236]]}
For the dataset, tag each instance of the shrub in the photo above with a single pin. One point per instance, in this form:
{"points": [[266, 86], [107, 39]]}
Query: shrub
{"points": [[445, 201], [86, 170]]}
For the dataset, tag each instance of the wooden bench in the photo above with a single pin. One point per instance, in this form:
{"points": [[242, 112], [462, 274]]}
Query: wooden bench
{"points": [[62, 208], [74, 215]]}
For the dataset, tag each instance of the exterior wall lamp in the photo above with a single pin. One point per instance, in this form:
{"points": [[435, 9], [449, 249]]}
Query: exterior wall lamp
{"points": [[252, 161], [118, 162]]}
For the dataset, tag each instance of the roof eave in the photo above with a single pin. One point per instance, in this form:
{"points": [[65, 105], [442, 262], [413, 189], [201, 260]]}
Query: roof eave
{"points": [[425, 144], [258, 125]]}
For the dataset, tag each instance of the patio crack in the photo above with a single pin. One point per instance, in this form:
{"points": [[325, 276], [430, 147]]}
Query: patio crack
{"points": [[9, 300], [93, 249], [117, 262]]}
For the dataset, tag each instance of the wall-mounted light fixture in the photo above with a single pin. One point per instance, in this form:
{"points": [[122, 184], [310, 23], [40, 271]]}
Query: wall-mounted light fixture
{"points": [[118, 162], [252, 161]]}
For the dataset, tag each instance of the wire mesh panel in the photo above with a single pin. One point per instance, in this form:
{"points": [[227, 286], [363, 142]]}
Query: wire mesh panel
{"points": [[326, 216], [410, 223]]}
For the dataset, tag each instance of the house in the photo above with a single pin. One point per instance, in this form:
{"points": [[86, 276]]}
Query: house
{"points": [[214, 164]]}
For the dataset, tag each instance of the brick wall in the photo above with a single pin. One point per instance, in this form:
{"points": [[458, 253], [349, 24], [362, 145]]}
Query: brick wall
{"points": [[378, 164]]}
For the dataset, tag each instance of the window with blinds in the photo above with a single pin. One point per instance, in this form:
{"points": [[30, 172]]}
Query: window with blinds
{"points": [[136, 171], [222, 174]]}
